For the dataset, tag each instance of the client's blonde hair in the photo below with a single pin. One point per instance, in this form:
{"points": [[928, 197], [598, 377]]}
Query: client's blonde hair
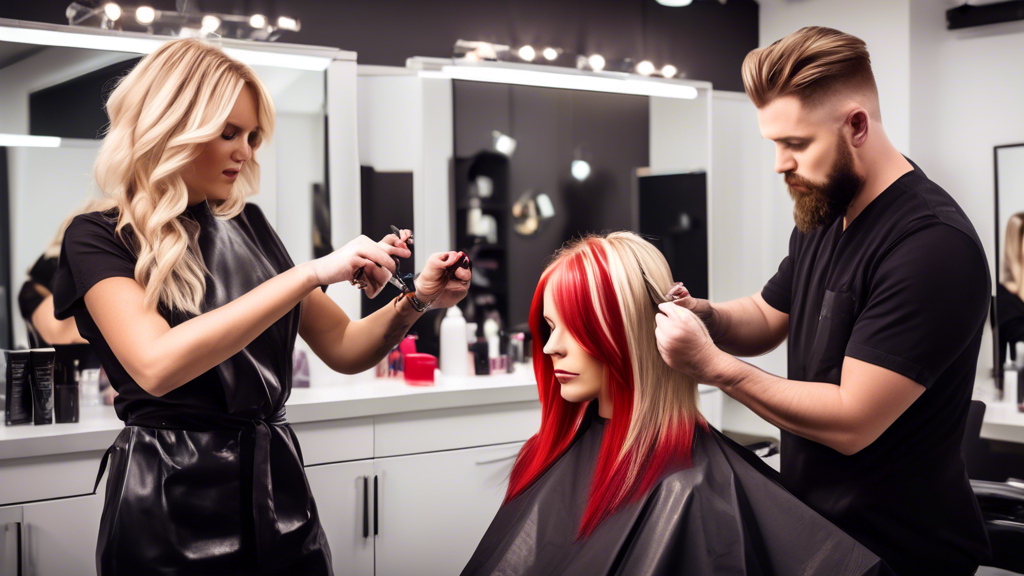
{"points": [[161, 115]]}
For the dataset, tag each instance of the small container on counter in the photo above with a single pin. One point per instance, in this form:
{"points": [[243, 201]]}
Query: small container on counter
{"points": [[42, 385], [419, 369], [454, 345], [18, 405], [500, 364], [66, 392], [481, 357]]}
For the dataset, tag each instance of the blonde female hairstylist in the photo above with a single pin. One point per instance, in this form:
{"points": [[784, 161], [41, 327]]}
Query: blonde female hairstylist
{"points": [[193, 305]]}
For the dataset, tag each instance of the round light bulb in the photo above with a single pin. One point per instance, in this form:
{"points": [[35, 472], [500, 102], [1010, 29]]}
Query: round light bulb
{"points": [[112, 10], [258, 21], [674, 3], [505, 144], [580, 170], [145, 14], [645, 68], [210, 23], [550, 53], [286, 23], [596, 62], [669, 71], [527, 53]]}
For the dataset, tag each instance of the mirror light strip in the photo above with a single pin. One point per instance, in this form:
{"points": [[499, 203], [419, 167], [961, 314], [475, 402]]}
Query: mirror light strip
{"points": [[147, 45], [569, 81], [35, 141]]}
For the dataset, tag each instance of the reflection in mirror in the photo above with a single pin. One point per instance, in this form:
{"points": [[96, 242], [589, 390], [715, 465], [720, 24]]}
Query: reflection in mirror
{"points": [[1009, 172], [559, 163], [52, 91]]}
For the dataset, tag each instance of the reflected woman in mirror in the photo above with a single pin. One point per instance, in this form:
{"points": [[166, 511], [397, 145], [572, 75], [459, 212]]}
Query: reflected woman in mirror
{"points": [[624, 475], [35, 299], [193, 305]]}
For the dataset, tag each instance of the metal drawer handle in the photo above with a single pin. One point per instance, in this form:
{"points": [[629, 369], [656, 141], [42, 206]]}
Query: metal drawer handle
{"points": [[19, 547], [366, 507]]}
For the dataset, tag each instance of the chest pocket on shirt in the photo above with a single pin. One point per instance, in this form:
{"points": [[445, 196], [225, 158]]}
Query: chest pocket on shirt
{"points": [[835, 324]]}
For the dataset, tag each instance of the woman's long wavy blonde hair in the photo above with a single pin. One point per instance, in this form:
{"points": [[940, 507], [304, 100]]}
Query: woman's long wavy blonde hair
{"points": [[161, 115]]}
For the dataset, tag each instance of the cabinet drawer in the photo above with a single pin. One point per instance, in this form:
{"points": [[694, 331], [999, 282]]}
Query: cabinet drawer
{"points": [[335, 440], [46, 477], [454, 428]]}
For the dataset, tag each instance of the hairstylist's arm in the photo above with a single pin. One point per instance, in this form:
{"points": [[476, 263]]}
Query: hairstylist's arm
{"points": [[743, 327], [160, 358], [352, 346]]}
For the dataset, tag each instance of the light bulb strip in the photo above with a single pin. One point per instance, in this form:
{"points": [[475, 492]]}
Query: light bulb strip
{"points": [[33, 141], [145, 44], [570, 80]]}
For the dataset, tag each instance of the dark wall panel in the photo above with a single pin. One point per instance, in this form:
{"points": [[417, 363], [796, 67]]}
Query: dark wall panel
{"points": [[706, 40], [550, 125]]}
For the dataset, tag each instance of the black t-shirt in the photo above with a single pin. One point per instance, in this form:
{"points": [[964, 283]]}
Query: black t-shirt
{"points": [[906, 287], [240, 254], [40, 276]]}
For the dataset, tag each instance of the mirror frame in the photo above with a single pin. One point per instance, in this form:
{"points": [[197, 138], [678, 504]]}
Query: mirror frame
{"points": [[997, 370]]}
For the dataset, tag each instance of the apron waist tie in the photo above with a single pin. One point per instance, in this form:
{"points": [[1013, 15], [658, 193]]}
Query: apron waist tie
{"points": [[254, 452]]}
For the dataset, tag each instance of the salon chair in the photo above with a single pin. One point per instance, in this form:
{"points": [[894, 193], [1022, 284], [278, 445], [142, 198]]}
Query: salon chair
{"points": [[1001, 502]]}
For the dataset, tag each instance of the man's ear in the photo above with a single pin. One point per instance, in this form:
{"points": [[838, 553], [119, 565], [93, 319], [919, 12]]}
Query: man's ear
{"points": [[858, 122]]}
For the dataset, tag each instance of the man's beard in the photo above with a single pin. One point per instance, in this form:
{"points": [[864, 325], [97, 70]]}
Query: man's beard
{"points": [[821, 204]]}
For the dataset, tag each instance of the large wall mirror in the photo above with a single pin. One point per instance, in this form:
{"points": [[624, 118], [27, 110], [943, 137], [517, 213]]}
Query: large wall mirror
{"points": [[516, 160], [1009, 194], [51, 122]]}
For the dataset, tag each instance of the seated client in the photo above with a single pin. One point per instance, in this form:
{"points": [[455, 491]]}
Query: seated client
{"points": [[625, 476]]}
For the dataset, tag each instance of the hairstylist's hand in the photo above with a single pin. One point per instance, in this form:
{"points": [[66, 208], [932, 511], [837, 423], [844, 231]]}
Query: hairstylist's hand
{"points": [[680, 296], [430, 285], [402, 243], [684, 343], [342, 264]]}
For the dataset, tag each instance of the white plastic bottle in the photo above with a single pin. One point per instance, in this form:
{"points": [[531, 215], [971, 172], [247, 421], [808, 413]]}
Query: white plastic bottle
{"points": [[491, 331], [454, 360]]}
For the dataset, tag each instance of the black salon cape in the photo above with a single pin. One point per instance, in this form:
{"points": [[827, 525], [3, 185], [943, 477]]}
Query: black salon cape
{"points": [[725, 515], [207, 479]]}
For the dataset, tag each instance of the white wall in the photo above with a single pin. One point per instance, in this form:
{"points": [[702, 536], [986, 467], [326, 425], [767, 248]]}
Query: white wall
{"points": [[966, 99], [679, 134], [751, 222]]}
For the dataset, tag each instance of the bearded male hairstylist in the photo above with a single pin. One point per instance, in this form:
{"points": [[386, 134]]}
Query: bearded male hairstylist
{"points": [[883, 296]]}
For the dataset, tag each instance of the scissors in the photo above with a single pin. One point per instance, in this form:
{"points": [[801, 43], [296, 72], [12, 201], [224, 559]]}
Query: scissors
{"points": [[404, 283]]}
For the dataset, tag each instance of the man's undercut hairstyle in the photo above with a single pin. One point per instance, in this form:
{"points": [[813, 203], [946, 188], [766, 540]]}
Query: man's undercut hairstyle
{"points": [[813, 64]]}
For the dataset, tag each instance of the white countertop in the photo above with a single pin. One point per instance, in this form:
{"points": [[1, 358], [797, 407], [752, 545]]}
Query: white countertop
{"points": [[1002, 422], [98, 425]]}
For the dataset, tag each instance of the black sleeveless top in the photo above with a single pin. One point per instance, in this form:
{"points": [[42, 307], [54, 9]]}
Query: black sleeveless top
{"points": [[240, 254]]}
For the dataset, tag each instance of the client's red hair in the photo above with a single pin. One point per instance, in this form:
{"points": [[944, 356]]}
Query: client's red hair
{"points": [[636, 448]]}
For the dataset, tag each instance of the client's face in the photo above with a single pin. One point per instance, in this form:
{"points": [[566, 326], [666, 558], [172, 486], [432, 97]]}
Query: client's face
{"points": [[580, 374], [213, 173]]}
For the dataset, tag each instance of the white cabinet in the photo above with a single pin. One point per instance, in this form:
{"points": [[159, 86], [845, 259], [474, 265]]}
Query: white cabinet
{"points": [[59, 536], [343, 495], [434, 508]]}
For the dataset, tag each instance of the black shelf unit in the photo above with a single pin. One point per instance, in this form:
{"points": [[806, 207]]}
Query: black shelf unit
{"points": [[489, 259]]}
